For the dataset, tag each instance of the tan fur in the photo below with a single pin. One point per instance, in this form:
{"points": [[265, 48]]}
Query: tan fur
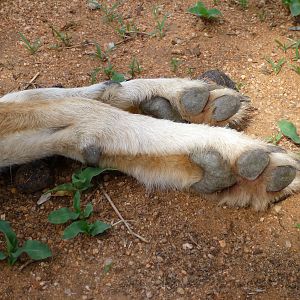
{"points": [[83, 124]]}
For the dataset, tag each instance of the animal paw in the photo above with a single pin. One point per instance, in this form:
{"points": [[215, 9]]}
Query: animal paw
{"points": [[257, 177], [201, 102]]}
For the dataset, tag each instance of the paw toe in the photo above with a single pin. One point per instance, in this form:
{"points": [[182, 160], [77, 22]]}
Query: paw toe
{"points": [[160, 108], [280, 178], [225, 107], [194, 100], [217, 172], [252, 163]]}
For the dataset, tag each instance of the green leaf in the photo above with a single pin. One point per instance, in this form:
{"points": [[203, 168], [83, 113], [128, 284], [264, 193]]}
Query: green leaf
{"points": [[200, 10], [99, 227], [2, 256], [88, 210], [76, 202], [34, 249], [213, 12], [10, 236], [118, 77], [63, 187], [75, 228], [298, 226], [289, 130], [295, 8], [82, 178], [62, 215]]}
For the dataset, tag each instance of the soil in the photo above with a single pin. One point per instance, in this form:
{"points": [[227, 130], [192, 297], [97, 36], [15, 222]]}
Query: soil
{"points": [[196, 249]]}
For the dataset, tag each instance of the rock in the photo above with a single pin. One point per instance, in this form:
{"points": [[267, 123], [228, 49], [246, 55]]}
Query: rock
{"points": [[187, 246], [288, 244], [222, 243], [180, 291]]}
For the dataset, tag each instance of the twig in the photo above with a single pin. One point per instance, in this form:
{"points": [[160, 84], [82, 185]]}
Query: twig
{"points": [[31, 81], [122, 219], [26, 264], [193, 241], [124, 41]]}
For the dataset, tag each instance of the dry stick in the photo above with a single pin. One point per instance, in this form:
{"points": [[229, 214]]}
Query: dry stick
{"points": [[122, 219], [26, 264], [31, 81]]}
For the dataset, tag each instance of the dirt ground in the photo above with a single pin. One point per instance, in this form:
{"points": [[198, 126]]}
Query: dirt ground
{"points": [[197, 250]]}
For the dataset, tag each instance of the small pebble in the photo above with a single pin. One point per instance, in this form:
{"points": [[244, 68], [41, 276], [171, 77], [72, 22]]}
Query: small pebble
{"points": [[187, 246], [180, 291], [222, 243], [288, 244]]}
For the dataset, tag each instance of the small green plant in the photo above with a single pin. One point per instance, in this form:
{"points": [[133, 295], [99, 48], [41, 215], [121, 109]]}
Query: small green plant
{"points": [[81, 181], [294, 6], [110, 12], [276, 67], [201, 11], [34, 249], [134, 67], [127, 29], [112, 74], [94, 74], [298, 226], [160, 22], [61, 36], [275, 138], [32, 48], [289, 130], [175, 62], [284, 47], [191, 71], [295, 68], [244, 4], [296, 46], [99, 53]]}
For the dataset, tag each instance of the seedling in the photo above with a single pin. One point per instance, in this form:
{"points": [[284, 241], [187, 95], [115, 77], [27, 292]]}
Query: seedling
{"points": [[61, 36], [34, 249], [284, 47], [112, 74], [298, 226], [81, 181], [275, 138], [128, 29], [110, 12], [295, 68], [99, 53], [160, 23], [276, 67], [243, 4], [191, 71], [134, 67], [201, 11], [296, 46], [294, 6], [289, 130], [94, 74], [175, 62], [32, 48]]}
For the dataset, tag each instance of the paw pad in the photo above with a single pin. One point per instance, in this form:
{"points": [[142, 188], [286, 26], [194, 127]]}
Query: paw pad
{"points": [[194, 100], [160, 108], [252, 163], [217, 172], [225, 107], [280, 178]]}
